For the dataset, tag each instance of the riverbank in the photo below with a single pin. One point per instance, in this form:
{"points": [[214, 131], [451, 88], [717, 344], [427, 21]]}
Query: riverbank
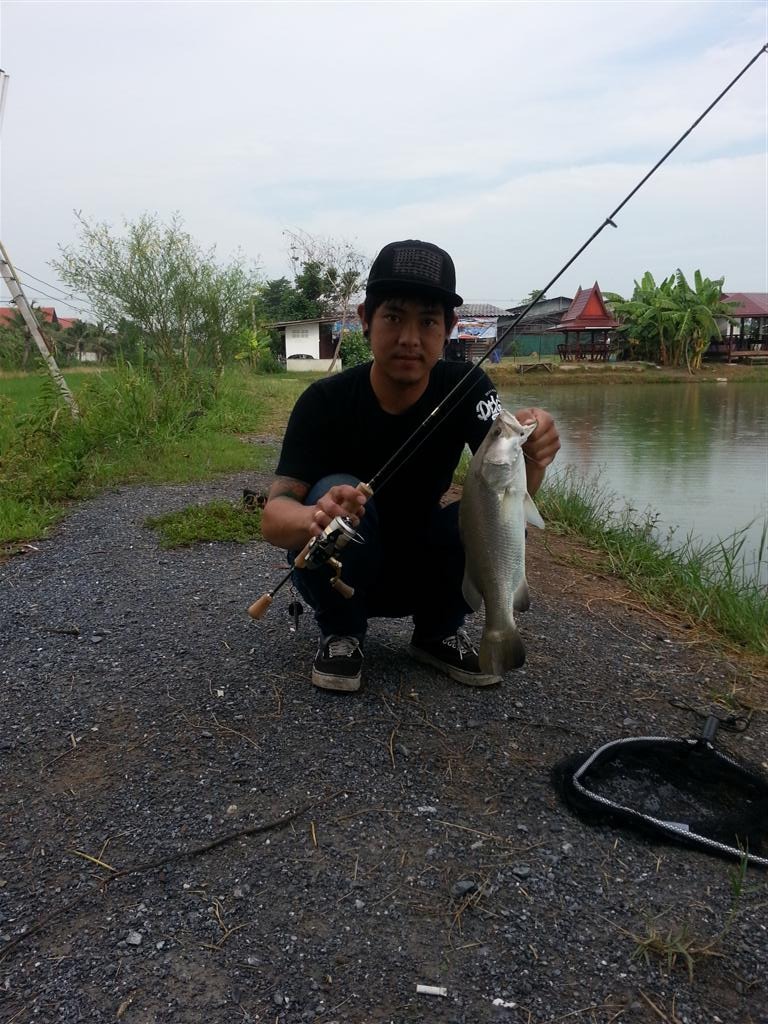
{"points": [[529, 373]]}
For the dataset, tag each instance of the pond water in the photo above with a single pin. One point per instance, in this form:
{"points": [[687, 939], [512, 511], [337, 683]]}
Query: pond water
{"points": [[697, 454]]}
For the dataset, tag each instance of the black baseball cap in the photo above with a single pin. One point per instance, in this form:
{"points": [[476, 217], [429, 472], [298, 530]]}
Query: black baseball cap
{"points": [[414, 267]]}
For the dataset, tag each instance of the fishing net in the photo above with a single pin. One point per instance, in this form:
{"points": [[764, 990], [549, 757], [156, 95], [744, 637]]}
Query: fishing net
{"points": [[683, 790]]}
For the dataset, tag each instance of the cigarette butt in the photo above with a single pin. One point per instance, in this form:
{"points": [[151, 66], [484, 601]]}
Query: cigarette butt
{"points": [[431, 990]]}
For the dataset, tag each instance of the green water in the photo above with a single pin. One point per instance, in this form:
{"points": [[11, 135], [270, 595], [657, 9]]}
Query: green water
{"points": [[697, 454]]}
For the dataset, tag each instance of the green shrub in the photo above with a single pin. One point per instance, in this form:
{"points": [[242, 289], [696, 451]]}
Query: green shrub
{"points": [[354, 349]]}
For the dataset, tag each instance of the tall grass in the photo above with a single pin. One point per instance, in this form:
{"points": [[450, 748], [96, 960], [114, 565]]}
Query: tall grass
{"points": [[710, 582], [136, 424]]}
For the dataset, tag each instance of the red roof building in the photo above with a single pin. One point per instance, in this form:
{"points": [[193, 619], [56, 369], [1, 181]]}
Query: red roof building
{"points": [[8, 315], [749, 304], [586, 325], [747, 334]]}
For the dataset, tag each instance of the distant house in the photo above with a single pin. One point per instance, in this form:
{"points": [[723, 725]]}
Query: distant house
{"points": [[83, 350], [532, 335], [310, 344], [8, 316], [48, 313], [475, 332]]}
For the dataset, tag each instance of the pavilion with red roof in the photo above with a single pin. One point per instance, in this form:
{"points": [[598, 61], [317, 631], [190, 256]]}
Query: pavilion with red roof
{"points": [[586, 325], [747, 336]]}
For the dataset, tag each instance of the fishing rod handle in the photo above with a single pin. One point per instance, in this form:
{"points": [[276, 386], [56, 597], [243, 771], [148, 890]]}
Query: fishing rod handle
{"points": [[259, 608]]}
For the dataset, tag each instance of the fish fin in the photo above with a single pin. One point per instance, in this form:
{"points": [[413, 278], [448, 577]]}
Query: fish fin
{"points": [[521, 600], [501, 650], [532, 514], [472, 595]]}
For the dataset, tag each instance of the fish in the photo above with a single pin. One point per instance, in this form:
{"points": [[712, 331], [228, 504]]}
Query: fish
{"points": [[495, 506]]}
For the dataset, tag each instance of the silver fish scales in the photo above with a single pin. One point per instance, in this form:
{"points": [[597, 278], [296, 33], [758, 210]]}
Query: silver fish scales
{"points": [[495, 507]]}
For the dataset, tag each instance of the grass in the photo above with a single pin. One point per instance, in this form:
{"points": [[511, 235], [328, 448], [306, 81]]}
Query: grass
{"points": [[709, 583], [216, 521], [681, 943], [136, 426]]}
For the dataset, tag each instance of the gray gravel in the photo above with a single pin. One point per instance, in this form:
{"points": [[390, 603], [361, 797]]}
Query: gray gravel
{"points": [[146, 714]]}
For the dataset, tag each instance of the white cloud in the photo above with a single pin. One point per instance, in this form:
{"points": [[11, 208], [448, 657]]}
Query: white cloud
{"points": [[505, 131]]}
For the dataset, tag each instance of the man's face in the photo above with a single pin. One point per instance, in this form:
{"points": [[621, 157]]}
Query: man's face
{"points": [[407, 338]]}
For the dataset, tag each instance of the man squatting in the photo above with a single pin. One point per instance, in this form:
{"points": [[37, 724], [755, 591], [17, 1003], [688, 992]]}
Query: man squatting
{"points": [[344, 428]]}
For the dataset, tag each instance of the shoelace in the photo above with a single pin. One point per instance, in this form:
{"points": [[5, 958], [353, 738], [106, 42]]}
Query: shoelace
{"points": [[342, 646], [460, 642]]}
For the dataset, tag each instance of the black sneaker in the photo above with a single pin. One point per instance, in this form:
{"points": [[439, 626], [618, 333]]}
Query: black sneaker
{"points": [[338, 664], [455, 655]]}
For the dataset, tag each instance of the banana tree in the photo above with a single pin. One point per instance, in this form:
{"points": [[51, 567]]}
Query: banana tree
{"points": [[650, 318], [700, 309]]}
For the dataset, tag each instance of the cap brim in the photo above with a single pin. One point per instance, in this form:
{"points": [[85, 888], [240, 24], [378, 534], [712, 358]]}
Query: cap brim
{"points": [[408, 288]]}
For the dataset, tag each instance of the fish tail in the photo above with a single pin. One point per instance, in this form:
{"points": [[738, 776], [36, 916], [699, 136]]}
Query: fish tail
{"points": [[501, 650]]}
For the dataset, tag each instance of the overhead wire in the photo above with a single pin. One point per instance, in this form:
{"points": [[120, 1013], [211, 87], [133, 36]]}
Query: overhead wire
{"points": [[55, 298], [56, 288]]}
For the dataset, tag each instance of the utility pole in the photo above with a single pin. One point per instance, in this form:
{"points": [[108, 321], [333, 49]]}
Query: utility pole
{"points": [[17, 295]]}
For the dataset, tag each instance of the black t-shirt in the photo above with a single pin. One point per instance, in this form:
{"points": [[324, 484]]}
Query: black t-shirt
{"points": [[338, 426]]}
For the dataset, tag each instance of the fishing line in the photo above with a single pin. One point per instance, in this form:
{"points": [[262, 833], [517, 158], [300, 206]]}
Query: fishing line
{"points": [[426, 428]]}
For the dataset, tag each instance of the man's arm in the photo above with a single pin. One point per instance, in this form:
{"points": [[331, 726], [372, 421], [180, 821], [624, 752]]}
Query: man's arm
{"points": [[288, 523]]}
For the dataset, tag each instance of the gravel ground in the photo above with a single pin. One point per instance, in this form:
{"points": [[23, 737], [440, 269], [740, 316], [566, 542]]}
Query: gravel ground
{"points": [[145, 715]]}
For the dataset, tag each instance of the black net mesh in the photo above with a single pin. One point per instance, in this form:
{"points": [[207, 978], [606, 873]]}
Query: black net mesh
{"points": [[675, 789]]}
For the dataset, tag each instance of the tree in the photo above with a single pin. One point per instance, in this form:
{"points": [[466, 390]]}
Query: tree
{"points": [[700, 308], [156, 276], [332, 272], [649, 319], [672, 323], [278, 300]]}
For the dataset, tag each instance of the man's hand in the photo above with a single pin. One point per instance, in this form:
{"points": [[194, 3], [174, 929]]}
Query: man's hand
{"points": [[288, 523], [541, 447], [340, 500]]}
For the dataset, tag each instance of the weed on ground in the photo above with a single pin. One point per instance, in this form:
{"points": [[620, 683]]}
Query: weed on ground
{"points": [[216, 521]]}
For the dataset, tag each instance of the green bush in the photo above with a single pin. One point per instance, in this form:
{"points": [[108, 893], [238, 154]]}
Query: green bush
{"points": [[354, 349]]}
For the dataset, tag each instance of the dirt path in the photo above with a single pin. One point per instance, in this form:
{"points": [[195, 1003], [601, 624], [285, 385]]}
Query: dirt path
{"points": [[145, 714]]}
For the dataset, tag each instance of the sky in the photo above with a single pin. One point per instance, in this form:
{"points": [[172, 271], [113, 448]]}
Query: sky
{"points": [[504, 132]]}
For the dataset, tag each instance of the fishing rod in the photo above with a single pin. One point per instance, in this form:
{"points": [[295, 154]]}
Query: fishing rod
{"points": [[340, 531], [429, 424]]}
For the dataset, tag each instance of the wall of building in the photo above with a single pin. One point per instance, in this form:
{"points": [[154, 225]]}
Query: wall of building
{"points": [[302, 339], [532, 344], [312, 365]]}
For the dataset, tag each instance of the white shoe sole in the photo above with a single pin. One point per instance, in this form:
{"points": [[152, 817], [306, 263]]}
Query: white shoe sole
{"points": [[341, 684], [465, 678]]}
